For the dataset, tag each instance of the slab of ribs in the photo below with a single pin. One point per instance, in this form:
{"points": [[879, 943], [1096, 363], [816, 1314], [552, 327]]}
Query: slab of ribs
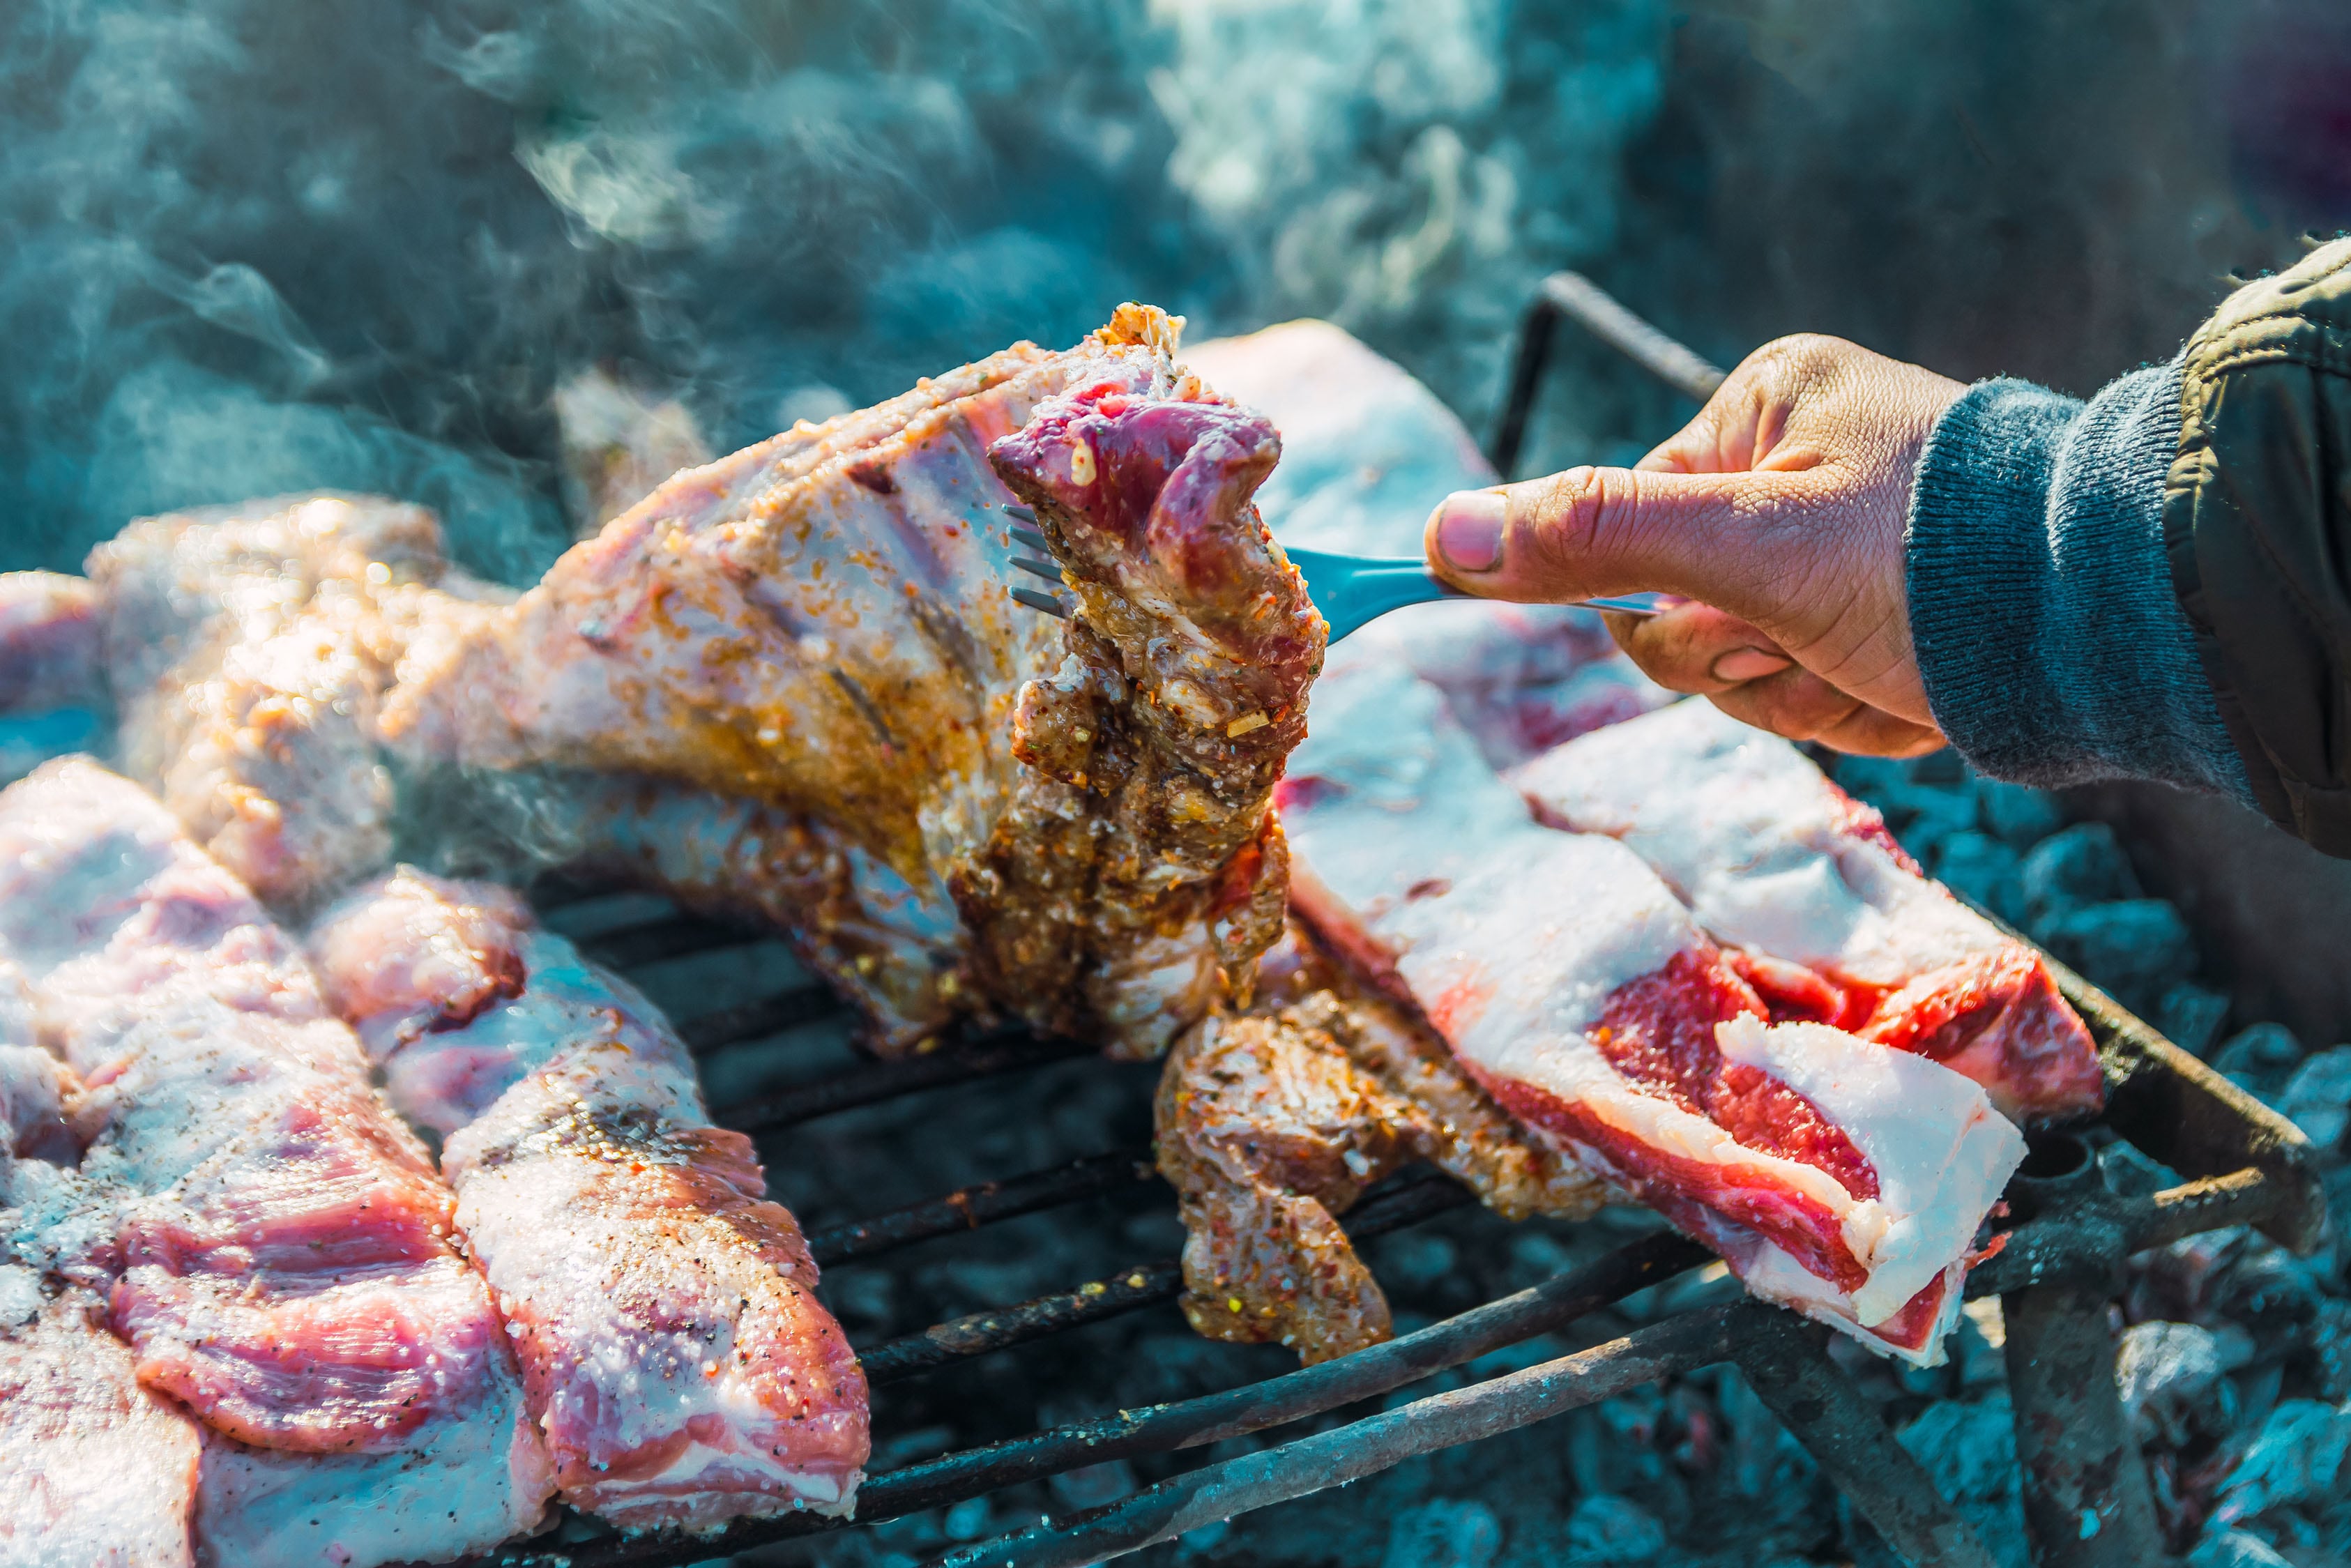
{"points": [[357, 1218]]}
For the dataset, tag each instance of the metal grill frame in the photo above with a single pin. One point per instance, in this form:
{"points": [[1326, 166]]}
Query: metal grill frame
{"points": [[2245, 1164]]}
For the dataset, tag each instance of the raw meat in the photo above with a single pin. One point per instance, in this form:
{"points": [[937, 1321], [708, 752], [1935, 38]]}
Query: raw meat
{"points": [[94, 1470], [822, 624], [1774, 859], [1270, 1125], [50, 626], [676, 1357], [1835, 1175], [286, 1265], [247, 648]]}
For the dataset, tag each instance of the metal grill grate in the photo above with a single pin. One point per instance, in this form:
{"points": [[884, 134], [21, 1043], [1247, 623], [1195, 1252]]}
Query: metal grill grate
{"points": [[2246, 1165]]}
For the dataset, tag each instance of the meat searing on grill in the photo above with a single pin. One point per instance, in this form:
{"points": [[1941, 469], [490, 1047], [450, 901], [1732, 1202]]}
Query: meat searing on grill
{"points": [[1773, 858], [285, 1252], [664, 1312], [49, 628], [1834, 1175], [822, 624], [1272, 1124], [248, 648]]}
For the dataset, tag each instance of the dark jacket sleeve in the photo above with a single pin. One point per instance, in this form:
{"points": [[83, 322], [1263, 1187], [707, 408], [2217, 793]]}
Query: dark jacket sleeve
{"points": [[2257, 530]]}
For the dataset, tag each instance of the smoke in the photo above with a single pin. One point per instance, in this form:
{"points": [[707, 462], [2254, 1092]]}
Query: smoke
{"points": [[256, 247]]}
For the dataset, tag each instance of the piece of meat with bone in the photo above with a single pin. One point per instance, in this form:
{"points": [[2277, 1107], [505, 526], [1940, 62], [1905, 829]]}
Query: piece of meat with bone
{"points": [[288, 1265], [248, 647], [1775, 859], [665, 1311], [1272, 1124], [822, 624], [1838, 1176]]}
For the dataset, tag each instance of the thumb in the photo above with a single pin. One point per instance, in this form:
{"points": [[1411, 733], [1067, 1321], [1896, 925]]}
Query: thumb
{"points": [[1726, 538]]}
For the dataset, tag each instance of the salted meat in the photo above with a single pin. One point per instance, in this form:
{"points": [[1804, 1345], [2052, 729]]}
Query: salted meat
{"points": [[1775, 859], [1835, 1175], [286, 1270], [823, 624], [1272, 1123], [677, 1360]]}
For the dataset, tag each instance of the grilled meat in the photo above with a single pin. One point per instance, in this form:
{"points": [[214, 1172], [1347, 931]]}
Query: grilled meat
{"points": [[1272, 1124], [49, 649], [1773, 858], [821, 624], [284, 1248], [676, 1358], [1834, 1173]]}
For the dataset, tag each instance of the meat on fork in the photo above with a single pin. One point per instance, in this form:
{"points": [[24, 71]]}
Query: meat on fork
{"points": [[823, 625], [284, 1256], [676, 1358], [1775, 859], [1838, 1176], [1273, 1124]]}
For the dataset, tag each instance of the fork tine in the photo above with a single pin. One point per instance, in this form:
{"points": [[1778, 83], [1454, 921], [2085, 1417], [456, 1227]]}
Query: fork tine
{"points": [[1037, 568], [1026, 514], [1033, 539], [1044, 602]]}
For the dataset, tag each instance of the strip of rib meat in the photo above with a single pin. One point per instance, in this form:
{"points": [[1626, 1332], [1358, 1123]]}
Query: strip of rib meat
{"points": [[665, 1311], [822, 624], [247, 649], [1840, 1176], [1774, 859], [287, 1270], [1273, 1124]]}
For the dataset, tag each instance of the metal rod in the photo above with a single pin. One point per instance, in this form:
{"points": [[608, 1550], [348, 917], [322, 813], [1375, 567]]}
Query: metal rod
{"points": [[1786, 1360], [2087, 1499], [757, 1020], [1415, 1196], [1215, 1492], [1577, 297], [968, 1208], [888, 1079], [671, 936]]}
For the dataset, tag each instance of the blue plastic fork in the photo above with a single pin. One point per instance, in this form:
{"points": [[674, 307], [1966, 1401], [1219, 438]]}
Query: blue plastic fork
{"points": [[1351, 590]]}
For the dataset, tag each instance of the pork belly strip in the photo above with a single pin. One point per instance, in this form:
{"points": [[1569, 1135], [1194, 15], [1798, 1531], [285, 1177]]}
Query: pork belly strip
{"points": [[665, 1311], [287, 1271], [1838, 1176], [821, 625], [1773, 858], [1272, 1124]]}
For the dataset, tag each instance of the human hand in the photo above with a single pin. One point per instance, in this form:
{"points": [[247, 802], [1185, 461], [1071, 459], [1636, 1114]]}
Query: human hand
{"points": [[1777, 514]]}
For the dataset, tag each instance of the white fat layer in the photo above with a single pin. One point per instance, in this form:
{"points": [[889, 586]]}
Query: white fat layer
{"points": [[1771, 1275], [1942, 1154], [1751, 834]]}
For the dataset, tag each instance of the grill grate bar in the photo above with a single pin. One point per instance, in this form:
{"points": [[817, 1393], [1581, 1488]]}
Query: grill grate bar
{"points": [[1006, 1052], [1162, 1428], [671, 936], [1409, 1200], [756, 1019], [968, 1208]]}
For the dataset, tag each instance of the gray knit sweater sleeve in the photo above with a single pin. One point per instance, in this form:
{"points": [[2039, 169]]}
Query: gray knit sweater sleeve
{"points": [[2040, 604]]}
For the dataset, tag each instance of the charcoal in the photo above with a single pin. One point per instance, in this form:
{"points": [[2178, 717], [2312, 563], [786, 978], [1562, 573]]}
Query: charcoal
{"points": [[2082, 865], [2328, 1356], [2134, 948], [2236, 1549], [2296, 1458], [1982, 868], [1969, 1449], [1443, 1533], [1606, 1530], [968, 1521], [1935, 817], [2020, 816], [2174, 1380], [1092, 1486], [2318, 1097], [2258, 1059], [2191, 1017]]}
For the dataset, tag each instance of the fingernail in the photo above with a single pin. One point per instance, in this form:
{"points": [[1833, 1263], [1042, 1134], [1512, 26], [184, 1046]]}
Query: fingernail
{"points": [[1470, 529], [1749, 665]]}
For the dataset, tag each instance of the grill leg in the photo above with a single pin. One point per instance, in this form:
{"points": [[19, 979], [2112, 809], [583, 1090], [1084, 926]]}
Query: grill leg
{"points": [[1786, 1360], [2086, 1502]]}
